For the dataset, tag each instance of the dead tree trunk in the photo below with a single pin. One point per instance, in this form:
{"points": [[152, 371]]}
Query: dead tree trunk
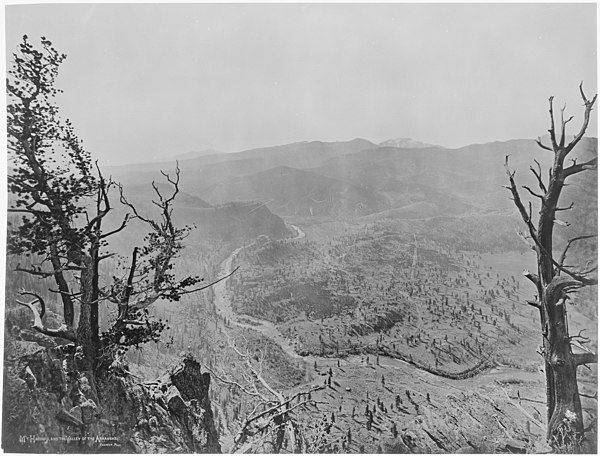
{"points": [[554, 281]]}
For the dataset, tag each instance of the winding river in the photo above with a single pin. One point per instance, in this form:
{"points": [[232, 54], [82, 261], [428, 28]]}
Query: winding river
{"points": [[224, 296]]}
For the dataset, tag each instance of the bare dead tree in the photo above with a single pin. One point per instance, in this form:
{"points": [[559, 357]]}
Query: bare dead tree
{"points": [[554, 280], [271, 421]]}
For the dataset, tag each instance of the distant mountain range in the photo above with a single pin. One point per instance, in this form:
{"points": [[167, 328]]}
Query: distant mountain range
{"points": [[359, 178], [189, 155], [242, 195], [291, 191]]}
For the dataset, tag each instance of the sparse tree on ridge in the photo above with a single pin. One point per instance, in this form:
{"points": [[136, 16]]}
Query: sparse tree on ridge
{"points": [[555, 280], [63, 199]]}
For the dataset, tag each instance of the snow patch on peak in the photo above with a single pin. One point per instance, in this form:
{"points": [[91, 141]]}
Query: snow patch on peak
{"points": [[406, 143]]}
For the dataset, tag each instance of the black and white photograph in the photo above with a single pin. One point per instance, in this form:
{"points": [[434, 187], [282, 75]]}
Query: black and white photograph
{"points": [[356, 228]]}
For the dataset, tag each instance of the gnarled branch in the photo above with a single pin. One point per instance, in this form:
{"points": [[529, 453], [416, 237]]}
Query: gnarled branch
{"points": [[63, 331], [583, 339], [589, 105], [563, 256], [579, 276], [518, 202], [560, 285]]}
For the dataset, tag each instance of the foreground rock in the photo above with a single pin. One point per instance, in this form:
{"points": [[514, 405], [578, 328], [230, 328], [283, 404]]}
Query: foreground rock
{"points": [[50, 408]]}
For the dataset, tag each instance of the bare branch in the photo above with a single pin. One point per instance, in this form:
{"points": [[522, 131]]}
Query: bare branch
{"points": [[277, 415], [579, 167], [563, 256], [552, 131], [38, 299], [254, 392], [589, 105], [45, 274], [254, 371], [569, 207], [210, 284], [63, 332], [115, 231], [35, 272], [272, 413], [517, 200], [579, 276], [589, 271], [563, 123], [174, 183], [538, 175], [125, 202], [104, 257], [585, 358], [73, 295], [579, 336], [37, 213], [134, 322], [532, 192], [539, 143], [559, 287]]}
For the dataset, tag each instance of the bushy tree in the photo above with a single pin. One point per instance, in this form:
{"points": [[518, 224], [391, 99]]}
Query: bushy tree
{"points": [[63, 200]]}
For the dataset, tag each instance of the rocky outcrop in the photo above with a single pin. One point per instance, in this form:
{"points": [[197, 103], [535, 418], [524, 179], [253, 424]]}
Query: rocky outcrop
{"points": [[50, 408]]}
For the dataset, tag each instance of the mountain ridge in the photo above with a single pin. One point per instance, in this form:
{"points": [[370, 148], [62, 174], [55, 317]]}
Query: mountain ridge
{"points": [[359, 172]]}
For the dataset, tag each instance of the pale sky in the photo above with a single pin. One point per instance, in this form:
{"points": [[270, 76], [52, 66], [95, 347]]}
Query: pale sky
{"points": [[148, 80]]}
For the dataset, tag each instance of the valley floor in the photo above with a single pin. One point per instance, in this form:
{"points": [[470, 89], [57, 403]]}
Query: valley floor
{"points": [[501, 408], [395, 334]]}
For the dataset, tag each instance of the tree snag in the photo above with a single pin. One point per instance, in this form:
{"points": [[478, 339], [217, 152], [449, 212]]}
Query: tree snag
{"points": [[554, 281], [270, 422]]}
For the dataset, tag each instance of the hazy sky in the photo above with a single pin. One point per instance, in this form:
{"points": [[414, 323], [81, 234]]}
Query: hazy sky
{"points": [[147, 80]]}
